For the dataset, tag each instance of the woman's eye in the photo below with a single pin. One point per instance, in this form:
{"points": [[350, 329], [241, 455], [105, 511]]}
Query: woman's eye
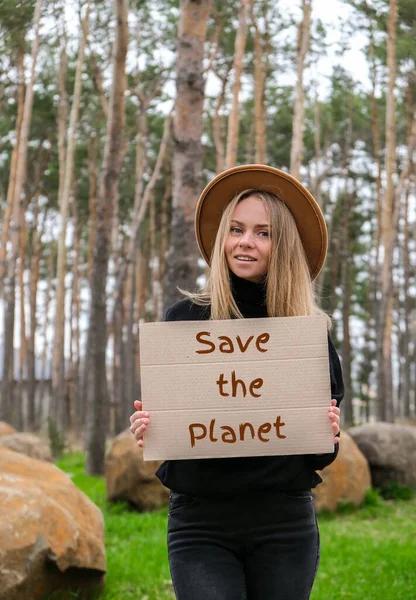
{"points": [[235, 230], [264, 233]]}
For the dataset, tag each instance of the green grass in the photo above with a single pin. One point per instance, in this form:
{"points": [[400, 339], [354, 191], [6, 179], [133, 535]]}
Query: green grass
{"points": [[368, 553]]}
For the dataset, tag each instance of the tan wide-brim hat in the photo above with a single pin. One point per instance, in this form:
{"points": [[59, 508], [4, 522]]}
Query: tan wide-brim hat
{"points": [[224, 187]]}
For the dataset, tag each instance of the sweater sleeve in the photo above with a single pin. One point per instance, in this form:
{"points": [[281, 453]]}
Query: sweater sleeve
{"points": [[320, 461]]}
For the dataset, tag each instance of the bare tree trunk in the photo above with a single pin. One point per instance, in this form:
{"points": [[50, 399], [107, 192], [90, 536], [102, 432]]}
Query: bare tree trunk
{"points": [[259, 91], [74, 366], [346, 275], [187, 153], [34, 280], [13, 167], [19, 395], [58, 365], [7, 382], [233, 120], [46, 323], [164, 223], [296, 153], [97, 397], [92, 201], [407, 269], [385, 373], [217, 126], [404, 354]]}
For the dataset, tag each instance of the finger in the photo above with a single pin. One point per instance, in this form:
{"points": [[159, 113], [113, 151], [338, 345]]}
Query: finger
{"points": [[333, 402], [336, 440], [140, 443], [139, 415], [138, 423], [138, 434], [137, 405]]}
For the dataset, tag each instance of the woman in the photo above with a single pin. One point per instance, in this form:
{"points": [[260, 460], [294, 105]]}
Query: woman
{"points": [[246, 527]]}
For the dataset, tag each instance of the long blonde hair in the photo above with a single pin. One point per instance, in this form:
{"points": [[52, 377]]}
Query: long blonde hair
{"points": [[288, 283]]}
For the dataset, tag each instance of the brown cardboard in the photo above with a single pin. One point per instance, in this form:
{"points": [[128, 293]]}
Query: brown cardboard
{"points": [[280, 387]]}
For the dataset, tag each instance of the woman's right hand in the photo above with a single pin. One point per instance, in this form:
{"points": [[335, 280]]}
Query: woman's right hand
{"points": [[139, 422]]}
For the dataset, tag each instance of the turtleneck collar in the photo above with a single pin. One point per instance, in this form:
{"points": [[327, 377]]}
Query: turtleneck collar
{"points": [[250, 296]]}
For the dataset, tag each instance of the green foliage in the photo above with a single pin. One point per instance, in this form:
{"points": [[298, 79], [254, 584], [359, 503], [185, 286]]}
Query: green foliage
{"points": [[395, 491], [15, 17], [372, 498]]}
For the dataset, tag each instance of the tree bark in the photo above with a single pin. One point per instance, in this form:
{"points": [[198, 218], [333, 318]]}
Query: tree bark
{"points": [[296, 153], [97, 389], [217, 126], [13, 166], [58, 364], [346, 275], [34, 280], [187, 152], [259, 92], [233, 120], [92, 201], [405, 355], [385, 372], [12, 256]]}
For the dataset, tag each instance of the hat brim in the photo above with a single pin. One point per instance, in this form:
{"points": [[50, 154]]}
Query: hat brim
{"points": [[224, 187]]}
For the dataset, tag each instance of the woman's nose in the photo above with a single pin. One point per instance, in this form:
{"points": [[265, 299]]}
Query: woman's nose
{"points": [[246, 239]]}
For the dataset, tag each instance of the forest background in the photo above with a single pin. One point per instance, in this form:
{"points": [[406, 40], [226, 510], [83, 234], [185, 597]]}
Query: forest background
{"points": [[112, 119]]}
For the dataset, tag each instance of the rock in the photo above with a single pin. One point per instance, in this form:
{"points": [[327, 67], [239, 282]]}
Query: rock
{"points": [[346, 479], [52, 535], [29, 444], [6, 429], [390, 450], [129, 478]]}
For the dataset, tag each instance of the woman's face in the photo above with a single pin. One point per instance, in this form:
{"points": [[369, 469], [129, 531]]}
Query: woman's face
{"points": [[248, 244]]}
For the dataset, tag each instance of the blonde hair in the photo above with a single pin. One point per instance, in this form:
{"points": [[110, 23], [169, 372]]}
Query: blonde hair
{"points": [[289, 290]]}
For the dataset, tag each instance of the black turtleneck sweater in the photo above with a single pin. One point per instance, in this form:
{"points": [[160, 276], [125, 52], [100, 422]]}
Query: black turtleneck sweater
{"points": [[212, 477]]}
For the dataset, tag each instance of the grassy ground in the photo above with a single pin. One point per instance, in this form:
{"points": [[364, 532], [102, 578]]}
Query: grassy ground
{"points": [[368, 553]]}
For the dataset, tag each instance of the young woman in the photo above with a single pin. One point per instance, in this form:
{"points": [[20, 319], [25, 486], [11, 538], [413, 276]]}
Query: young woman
{"points": [[245, 528]]}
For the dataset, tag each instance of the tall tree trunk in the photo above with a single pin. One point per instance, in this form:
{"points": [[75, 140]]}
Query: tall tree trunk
{"points": [[187, 152], [407, 269], [346, 274], [92, 201], [259, 92], [34, 280], [97, 396], [164, 222], [20, 391], [19, 181], [74, 363], [58, 365], [13, 166], [233, 120], [296, 152], [385, 371], [217, 126]]}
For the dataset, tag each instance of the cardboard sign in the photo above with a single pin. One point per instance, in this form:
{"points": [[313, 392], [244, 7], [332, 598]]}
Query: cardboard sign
{"points": [[240, 387]]}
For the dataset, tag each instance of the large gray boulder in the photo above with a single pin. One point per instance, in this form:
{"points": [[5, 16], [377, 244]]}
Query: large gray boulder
{"points": [[390, 450]]}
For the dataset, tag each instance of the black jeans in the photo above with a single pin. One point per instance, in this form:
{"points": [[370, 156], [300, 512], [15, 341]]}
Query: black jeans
{"points": [[262, 547]]}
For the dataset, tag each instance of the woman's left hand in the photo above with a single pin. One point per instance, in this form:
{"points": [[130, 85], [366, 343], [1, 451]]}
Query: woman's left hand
{"points": [[334, 412]]}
